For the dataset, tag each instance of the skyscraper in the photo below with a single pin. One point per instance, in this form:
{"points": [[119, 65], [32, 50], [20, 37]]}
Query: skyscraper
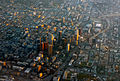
{"points": [[50, 49]]}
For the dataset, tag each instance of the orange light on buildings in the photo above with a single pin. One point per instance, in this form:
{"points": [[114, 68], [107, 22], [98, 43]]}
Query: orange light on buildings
{"points": [[41, 74], [58, 78], [39, 59], [39, 16], [42, 45], [72, 22], [68, 47], [46, 45], [47, 58], [26, 31], [63, 19], [24, 43], [42, 63], [4, 63], [73, 38], [28, 35], [36, 26], [52, 37], [42, 55], [26, 28], [50, 49], [42, 25], [70, 40], [76, 42], [7, 24], [15, 14], [34, 64], [39, 68], [55, 28], [77, 34], [48, 26], [43, 17], [116, 67]]}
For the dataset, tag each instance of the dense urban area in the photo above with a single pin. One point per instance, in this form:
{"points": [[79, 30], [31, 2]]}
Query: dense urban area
{"points": [[59, 40]]}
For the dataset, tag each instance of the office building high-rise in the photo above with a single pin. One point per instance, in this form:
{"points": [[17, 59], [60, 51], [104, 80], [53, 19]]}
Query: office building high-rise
{"points": [[50, 49]]}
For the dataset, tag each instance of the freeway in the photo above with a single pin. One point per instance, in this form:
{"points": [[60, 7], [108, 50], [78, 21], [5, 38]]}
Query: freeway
{"points": [[110, 15], [108, 23]]}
